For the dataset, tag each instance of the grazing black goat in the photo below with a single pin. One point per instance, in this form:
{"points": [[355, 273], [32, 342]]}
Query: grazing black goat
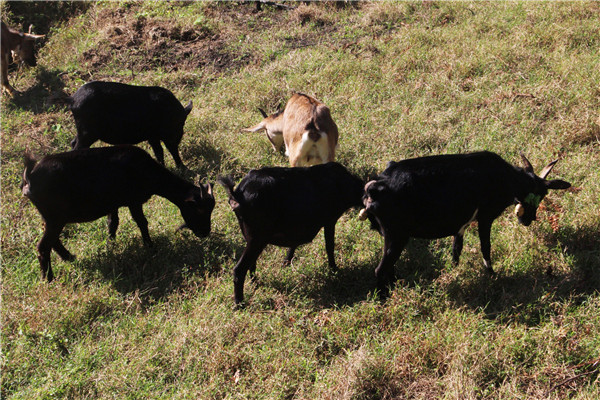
{"points": [[117, 113], [438, 196], [287, 207], [84, 185]]}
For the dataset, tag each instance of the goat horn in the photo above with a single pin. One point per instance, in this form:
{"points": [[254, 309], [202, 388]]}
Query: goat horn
{"points": [[526, 163], [519, 210], [544, 173], [362, 215], [369, 184], [31, 35]]}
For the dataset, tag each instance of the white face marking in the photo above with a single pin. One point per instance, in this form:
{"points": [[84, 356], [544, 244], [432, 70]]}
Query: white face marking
{"points": [[462, 230]]}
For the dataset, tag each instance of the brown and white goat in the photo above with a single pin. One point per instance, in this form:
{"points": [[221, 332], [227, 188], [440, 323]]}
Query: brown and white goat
{"points": [[21, 47], [305, 127]]}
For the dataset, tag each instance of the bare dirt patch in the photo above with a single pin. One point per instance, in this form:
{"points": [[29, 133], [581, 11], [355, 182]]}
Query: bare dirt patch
{"points": [[142, 43]]}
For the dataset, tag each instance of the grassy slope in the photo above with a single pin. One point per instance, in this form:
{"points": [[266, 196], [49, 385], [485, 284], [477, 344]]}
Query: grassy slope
{"points": [[402, 80]]}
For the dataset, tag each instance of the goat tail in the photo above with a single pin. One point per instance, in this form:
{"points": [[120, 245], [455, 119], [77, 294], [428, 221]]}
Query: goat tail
{"points": [[227, 183], [29, 162]]}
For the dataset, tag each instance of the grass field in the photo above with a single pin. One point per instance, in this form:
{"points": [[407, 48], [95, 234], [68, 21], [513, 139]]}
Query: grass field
{"points": [[402, 80]]}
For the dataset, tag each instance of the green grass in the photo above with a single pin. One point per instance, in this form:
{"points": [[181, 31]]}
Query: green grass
{"points": [[402, 80]]}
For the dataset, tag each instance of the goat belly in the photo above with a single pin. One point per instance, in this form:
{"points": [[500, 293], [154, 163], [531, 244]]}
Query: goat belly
{"points": [[422, 223], [294, 237]]}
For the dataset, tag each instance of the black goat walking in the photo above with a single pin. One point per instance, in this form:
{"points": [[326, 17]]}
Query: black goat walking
{"points": [[287, 207], [438, 196]]}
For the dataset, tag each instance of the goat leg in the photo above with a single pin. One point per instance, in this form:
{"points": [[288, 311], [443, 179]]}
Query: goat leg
{"points": [[246, 261], [64, 254], [457, 247], [485, 229], [113, 223], [330, 245], [290, 256], [384, 272], [47, 242], [158, 151], [137, 213], [172, 147]]}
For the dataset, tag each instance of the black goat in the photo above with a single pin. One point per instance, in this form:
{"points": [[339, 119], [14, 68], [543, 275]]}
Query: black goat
{"points": [[287, 207], [117, 113], [84, 185], [438, 196]]}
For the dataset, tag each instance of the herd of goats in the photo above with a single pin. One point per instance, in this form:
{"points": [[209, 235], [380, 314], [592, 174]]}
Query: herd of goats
{"points": [[425, 197]]}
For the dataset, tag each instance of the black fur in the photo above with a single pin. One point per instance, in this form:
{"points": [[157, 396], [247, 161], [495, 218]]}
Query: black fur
{"points": [[437, 196], [84, 185], [287, 207], [117, 113]]}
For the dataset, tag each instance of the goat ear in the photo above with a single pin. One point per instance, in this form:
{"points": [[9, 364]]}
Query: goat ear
{"points": [[544, 173], [557, 184], [526, 163], [234, 204], [264, 114], [209, 188]]}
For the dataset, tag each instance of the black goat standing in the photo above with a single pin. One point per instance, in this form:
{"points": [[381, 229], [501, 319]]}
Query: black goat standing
{"points": [[84, 185], [438, 196], [117, 113], [287, 207]]}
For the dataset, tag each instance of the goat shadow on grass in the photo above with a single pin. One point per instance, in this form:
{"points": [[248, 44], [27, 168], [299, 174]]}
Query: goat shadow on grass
{"points": [[527, 296], [418, 264], [351, 284], [157, 271], [46, 92]]}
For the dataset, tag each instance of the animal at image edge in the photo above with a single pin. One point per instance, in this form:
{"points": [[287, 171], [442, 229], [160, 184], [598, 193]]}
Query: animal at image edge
{"points": [[117, 113], [305, 127], [287, 207], [84, 185], [21, 45], [439, 196]]}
